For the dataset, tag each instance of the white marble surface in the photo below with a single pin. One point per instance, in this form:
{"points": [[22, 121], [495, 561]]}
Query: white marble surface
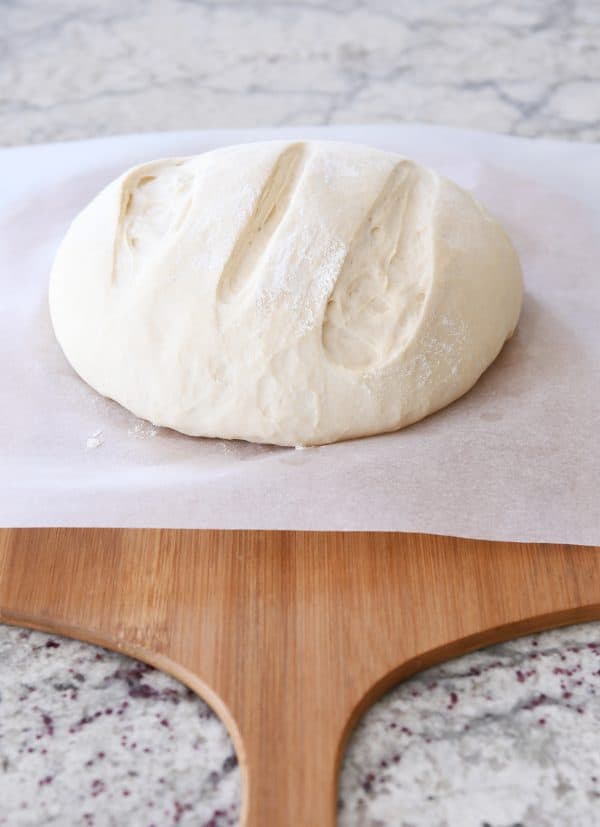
{"points": [[79, 68], [505, 737]]}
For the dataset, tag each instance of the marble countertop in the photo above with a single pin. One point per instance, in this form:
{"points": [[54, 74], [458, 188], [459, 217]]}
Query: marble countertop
{"points": [[504, 737], [81, 69]]}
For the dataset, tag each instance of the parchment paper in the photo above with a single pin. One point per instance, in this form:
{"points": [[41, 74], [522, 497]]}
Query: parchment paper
{"points": [[517, 458]]}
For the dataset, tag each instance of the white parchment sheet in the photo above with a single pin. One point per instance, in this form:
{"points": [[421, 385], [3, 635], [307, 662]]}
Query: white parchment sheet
{"points": [[517, 458]]}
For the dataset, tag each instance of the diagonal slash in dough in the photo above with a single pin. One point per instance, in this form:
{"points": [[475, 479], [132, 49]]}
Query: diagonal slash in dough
{"points": [[378, 297], [271, 206]]}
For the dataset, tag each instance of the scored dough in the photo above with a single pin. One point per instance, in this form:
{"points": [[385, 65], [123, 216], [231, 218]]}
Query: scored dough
{"points": [[294, 293]]}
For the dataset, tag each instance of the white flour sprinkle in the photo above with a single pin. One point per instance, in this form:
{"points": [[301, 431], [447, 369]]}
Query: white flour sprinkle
{"points": [[143, 429], [94, 441], [303, 277]]}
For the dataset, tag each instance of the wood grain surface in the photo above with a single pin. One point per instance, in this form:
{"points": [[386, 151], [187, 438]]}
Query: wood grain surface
{"points": [[290, 636]]}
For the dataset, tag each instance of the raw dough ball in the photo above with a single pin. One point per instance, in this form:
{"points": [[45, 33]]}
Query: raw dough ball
{"points": [[289, 293]]}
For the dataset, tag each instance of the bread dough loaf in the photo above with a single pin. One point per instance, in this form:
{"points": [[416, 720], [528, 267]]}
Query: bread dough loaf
{"points": [[294, 293]]}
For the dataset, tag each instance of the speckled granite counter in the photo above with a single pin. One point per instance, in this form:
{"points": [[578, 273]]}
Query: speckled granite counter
{"points": [[505, 737]]}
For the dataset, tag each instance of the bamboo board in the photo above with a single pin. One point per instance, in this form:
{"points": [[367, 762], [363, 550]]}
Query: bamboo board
{"points": [[290, 636]]}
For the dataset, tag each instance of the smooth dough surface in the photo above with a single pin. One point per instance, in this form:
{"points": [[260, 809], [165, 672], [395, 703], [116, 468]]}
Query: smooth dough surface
{"points": [[294, 293]]}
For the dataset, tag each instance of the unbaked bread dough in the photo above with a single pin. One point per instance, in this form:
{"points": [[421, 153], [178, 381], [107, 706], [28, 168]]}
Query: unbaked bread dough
{"points": [[294, 293]]}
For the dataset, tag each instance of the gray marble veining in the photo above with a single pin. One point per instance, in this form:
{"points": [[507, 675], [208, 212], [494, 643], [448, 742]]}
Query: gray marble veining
{"points": [[505, 737], [73, 70]]}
